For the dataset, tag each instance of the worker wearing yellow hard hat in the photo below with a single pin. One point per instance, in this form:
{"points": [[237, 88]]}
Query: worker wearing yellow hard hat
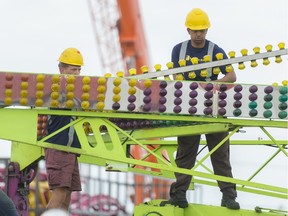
{"points": [[70, 61], [197, 19], [62, 167], [194, 51], [71, 56]]}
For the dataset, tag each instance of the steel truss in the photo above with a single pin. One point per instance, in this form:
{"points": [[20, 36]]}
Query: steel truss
{"points": [[111, 147]]}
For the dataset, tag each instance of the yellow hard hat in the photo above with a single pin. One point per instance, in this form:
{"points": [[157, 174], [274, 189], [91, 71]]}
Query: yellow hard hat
{"points": [[71, 56], [197, 19]]}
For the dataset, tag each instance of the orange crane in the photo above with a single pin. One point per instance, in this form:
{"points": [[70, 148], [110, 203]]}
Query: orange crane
{"points": [[131, 35], [120, 38]]}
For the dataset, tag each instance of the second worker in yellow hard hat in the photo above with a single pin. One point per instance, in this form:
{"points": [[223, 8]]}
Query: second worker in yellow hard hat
{"points": [[62, 167], [197, 47]]}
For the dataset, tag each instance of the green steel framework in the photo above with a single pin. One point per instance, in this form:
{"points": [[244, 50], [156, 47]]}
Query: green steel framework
{"points": [[111, 149]]}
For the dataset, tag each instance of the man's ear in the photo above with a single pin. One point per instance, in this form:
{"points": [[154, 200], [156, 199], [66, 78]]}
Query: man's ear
{"points": [[61, 69], [188, 30]]}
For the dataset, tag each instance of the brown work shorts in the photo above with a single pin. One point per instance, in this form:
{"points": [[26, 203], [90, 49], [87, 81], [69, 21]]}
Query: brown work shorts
{"points": [[62, 170]]}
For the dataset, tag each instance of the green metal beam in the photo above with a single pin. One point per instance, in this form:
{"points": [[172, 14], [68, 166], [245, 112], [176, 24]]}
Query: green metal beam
{"points": [[111, 148], [152, 208]]}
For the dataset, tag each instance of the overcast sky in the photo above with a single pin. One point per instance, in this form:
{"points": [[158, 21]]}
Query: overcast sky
{"points": [[33, 33]]}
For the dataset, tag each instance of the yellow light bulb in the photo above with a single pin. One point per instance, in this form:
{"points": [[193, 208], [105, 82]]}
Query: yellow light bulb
{"points": [[167, 78], [191, 75], [24, 93], [256, 50], [266, 61], [85, 104], [194, 60], [132, 82], [101, 81], [244, 52], [101, 97], [69, 104], [268, 47], [40, 78], [8, 92], [24, 85], [116, 98], [55, 87], [70, 87], [170, 65], [278, 59], [70, 79], [229, 68], [131, 91], [107, 75], [86, 88], [39, 94], [275, 84], [204, 73], [69, 95], [54, 103], [132, 71], [101, 89], [157, 67], [116, 90], [241, 66], [54, 95], [219, 56], [86, 80], [231, 54], [216, 70], [182, 62], [254, 64], [100, 106], [39, 86], [85, 96], [55, 79], [179, 77], [147, 83], [207, 58], [120, 74], [23, 101], [8, 101], [39, 102], [281, 45], [117, 81], [144, 69]]}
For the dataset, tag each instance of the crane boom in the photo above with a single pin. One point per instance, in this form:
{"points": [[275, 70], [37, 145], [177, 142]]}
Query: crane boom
{"points": [[104, 16], [131, 35]]}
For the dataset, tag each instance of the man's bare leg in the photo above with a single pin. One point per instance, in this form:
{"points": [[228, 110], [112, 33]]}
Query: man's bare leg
{"points": [[58, 199]]}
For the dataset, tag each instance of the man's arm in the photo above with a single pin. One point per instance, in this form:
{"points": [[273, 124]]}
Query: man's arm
{"points": [[229, 77]]}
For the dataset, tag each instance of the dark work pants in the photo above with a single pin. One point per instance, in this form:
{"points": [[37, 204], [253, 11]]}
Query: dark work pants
{"points": [[186, 157]]}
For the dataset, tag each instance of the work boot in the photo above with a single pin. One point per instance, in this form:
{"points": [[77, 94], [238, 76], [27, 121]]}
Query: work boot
{"points": [[230, 203], [177, 199]]}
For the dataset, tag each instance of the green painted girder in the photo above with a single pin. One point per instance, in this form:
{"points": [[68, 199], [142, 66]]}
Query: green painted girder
{"points": [[203, 142], [152, 208], [183, 118], [174, 131], [111, 149]]}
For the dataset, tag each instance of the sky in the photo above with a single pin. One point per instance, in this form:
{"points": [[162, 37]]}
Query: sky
{"points": [[33, 33]]}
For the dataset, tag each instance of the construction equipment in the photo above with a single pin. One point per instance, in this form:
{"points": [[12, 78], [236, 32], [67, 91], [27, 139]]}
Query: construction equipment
{"points": [[116, 113]]}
